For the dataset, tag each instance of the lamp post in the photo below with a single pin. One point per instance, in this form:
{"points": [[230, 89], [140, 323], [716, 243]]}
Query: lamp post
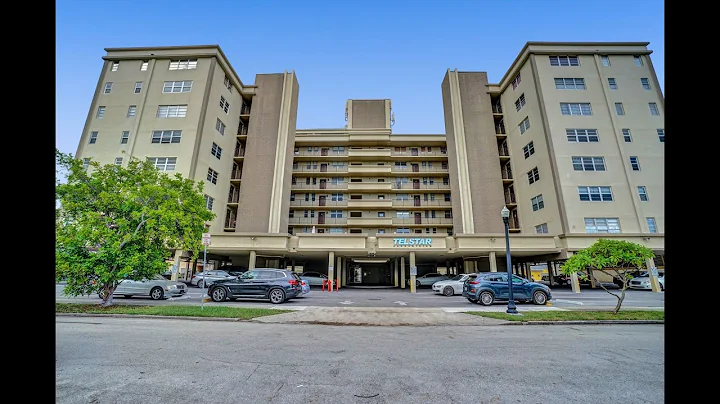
{"points": [[511, 309]]}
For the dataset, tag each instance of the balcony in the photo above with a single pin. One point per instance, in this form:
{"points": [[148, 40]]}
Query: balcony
{"points": [[503, 151], [418, 220], [369, 186], [320, 185], [234, 197], [418, 155], [369, 221], [303, 152], [500, 129], [513, 222], [510, 199], [418, 202], [245, 109], [418, 185], [305, 221], [239, 153], [369, 153], [369, 203], [497, 109], [415, 169], [299, 203], [322, 168], [369, 169], [229, 223], [236, 175]]}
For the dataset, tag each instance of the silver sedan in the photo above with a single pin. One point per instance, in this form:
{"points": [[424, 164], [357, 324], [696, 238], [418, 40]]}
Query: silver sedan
{"points": [[450, 287], [157, 288]]}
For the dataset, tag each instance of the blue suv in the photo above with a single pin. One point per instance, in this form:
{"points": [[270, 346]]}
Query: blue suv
{"points": [[488, 287]]}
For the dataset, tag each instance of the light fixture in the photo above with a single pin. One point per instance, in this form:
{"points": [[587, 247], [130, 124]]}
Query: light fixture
{"points": [[370, 261]]}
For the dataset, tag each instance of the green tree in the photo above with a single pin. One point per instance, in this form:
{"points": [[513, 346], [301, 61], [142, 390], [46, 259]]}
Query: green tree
{"points": [[115, 223], [616, 258]]}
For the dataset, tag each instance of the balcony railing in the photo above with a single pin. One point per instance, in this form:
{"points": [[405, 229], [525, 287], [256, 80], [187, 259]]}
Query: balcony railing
{"points": [[236, 175], [245, 109], [500, 129], [239, 152], [513, 222], [316, 220], [422, 220], [234, 198], [324, 185], [301, 203], [416, 185], [497, 109], [507, 175], [421, 203], [320, 169], [510, 198], [230, 222], [409, 153], [304, 153], [418, 169], [503, 150]]}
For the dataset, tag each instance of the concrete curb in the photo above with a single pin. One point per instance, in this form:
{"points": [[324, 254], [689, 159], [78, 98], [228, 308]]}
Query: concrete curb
{"points": [[585, 322]]}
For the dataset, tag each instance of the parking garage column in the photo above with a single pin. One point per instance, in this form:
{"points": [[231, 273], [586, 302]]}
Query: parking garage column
{"points": [[331, 269], [344, 272], [402, 272], [654, 284], [413, 272], [338, 276], [395, 271], [574, 282], [251, 263], [493, 261]]}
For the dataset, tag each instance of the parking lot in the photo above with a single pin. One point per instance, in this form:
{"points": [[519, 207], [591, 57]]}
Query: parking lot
{"points": [[563, 297]]}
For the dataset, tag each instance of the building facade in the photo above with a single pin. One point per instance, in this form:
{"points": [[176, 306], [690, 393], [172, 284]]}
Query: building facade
{"points": [[571, 141]]}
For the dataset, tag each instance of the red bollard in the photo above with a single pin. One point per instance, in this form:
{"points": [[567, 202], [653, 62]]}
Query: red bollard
{"points": [[323, 284]]}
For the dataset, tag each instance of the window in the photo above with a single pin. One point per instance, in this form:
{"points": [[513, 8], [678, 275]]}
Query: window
{"points": [[537, 202], [652, 226], [638, 60], [564, 61], [661, 135], [336, 230], [447, 197], [619, 108], [177, 86], [516, 81], [403, 214], [568, 108], [612, 83], [212, 175], [227, 83], [595, 194], [118, 161], [524, 125], [582, 135], [337, 180], [185, 64], [337, 164], [541, 228], [93, 137], [100, 113], [635, 163], [336, 214], [570, 84], [605, 59], [533, 175], [336, 197], [626, 135], [401, 165], [520, 102], [588, 163], [209, 200], [381, 214], [86, 163], [144, 66], [125, 137], [115, 66], [172, 111], [401, 197], [642, 192], [220, 127], [602, 225], [338, 150], [138, 87], [645, 83], [654, 109], [224, 105], [131, 111], [108, 87], [166, 136], [529, 150], [163, 163], [403, 230], [216, 150]]}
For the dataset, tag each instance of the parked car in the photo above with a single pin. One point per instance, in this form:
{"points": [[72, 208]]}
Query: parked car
{"points": [[209, 277], [305, 288], [452, 286], [643, 281], [157, 288], [487, 288], [429, 279], [634, 274], [564, 280], [233, 270], [313, 278], [276, 285]]}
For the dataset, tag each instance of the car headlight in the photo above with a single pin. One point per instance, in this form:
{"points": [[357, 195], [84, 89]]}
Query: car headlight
{"points": [[172, 287]]}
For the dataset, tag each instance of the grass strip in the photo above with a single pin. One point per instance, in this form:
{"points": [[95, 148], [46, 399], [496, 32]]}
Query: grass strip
{"points": [[243, 313], [574, 315]]}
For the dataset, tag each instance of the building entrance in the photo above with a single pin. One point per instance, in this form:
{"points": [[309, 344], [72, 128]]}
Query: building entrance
{"points": [[370, 274]]}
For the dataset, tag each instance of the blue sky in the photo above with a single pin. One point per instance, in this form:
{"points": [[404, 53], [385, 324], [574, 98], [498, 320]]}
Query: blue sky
{"points": [[340, 49]]}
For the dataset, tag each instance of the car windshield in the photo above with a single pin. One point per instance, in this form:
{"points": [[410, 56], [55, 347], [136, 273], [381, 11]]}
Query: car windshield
{"points": [[249, 275], [159, 278], [457, 278]]}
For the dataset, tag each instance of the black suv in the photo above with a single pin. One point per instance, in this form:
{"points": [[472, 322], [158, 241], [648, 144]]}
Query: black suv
{"points": [[276, 285]]}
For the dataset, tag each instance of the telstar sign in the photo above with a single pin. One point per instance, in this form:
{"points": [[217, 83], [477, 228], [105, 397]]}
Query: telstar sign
{"points": [[411, 242]]}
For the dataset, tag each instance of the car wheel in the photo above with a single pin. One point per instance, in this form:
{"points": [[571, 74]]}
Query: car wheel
{"points": [[486, 298], [156, 293], [218, 294], [472, 300], [539, 298], [200, 284], [448, 291], [276, 296], [127, 296], [662, 288], [417, 284]]}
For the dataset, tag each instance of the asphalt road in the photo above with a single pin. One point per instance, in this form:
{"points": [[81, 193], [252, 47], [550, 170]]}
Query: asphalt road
{"points": [[425, 298], [124, 360]]}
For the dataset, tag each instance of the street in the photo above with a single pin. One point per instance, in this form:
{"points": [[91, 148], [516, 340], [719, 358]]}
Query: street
{"points": [[126, 360], [424, 298]]}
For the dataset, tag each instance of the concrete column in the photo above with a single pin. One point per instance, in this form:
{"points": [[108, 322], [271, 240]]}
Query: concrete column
{"points": [[395, 271], [402, 272], [331, 269], [412, 277], [493, 262], [176, 267], [574, 282], [551, 272], [654, 283], [292, 265], [338, 271], [344, 272], [253, 257]]}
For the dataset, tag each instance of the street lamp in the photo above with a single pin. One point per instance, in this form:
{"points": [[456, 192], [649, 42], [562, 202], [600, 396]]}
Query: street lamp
{"points": [[511, 309]]}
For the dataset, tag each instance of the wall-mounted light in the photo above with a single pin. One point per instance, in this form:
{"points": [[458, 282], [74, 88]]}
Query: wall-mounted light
{"points": [[492, 239]]}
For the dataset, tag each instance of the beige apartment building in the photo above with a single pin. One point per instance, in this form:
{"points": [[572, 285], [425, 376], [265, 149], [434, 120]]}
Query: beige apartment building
{"points": [[571, 141]]}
